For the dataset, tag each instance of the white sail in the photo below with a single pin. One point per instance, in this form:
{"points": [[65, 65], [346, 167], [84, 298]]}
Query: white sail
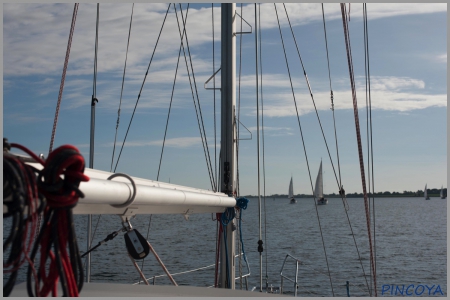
{"points": [[318, 190], [442, 192], [291, 190], [425, 192]]}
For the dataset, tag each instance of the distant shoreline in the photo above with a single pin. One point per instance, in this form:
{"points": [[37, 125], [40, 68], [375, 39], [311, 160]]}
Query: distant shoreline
{"points": [[354, 195]]}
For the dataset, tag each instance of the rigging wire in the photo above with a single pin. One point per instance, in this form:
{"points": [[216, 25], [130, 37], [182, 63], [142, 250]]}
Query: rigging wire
{"points": [[303, 142], [260, 242], [170, 106], [358, 134], [92, 141], [331, 97], [367, 119], [142, 86], [63, 77], [214, 93], [337, 153], [165, 131], [239, 107], [199, 111], [263, 148], [215, 144], [369, 134], [118, 111], [311, 94], [121, 91], [237, 142]]}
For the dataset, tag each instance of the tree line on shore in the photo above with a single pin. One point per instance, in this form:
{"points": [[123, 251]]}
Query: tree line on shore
{"points": [[418, 193]]}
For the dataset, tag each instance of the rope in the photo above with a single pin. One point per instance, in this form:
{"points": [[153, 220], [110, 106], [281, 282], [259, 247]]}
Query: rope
{"points": [[304, 147], [58, 228], [121, 91], [23, 203], [341, 192], [218, 239], [109, 237], [369, 118], [225, 219], [242, 204], [199, 112], [63, 77], [142, 86], [358, 135]]}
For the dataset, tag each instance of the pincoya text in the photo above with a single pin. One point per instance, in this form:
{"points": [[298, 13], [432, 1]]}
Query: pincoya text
{"points": [[411, 290]]}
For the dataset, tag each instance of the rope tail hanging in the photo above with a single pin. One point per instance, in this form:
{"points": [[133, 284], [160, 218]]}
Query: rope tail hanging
{"points": [[369, 136], [63, 77], [341, 188], [358, 137]]}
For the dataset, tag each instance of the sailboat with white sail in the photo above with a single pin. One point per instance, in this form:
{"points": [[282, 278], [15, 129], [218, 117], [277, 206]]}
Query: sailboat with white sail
{"points": [[425, 193], [318, 190], [291, 193], [442, 193]]}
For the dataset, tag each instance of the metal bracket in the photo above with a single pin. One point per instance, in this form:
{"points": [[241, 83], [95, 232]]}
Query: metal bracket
{"points": [[127, 215], [251, 136], [244, 32], [209, 79]]}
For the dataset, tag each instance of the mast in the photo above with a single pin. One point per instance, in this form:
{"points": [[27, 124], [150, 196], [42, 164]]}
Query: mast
{"points": [[228, 135]]}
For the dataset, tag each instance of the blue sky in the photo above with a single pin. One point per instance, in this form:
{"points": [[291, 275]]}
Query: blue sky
{"points": [[408, 65]]}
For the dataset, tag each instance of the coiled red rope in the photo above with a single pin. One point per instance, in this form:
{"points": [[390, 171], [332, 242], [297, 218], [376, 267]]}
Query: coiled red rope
{"points": [[59, 258]]}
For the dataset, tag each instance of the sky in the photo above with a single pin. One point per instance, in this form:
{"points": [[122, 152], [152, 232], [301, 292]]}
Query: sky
{"points": [[408, 84]]}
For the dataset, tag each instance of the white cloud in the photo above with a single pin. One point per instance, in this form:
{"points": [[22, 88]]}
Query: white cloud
{"points": [[441, 58], [26, 118], [387, 93], [35, 35], [303, 13], [395, 83], [35, 41], [273, 131], [182, 142]]}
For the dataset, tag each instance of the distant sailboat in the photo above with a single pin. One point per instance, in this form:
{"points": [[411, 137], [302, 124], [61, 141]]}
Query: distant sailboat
{"points": [[318, 191], [425, 194], [442, 192], [291, 193]]}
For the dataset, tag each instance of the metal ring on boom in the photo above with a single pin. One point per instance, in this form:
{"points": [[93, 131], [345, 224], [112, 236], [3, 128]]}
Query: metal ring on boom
{"points": [[129, 201]]}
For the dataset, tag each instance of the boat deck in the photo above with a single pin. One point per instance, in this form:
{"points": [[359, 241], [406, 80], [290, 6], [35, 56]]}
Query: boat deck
{"points": [[126, 290]]}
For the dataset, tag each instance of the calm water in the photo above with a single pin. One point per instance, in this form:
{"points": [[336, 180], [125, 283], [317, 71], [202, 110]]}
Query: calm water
{"points": [[411, 246]]}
